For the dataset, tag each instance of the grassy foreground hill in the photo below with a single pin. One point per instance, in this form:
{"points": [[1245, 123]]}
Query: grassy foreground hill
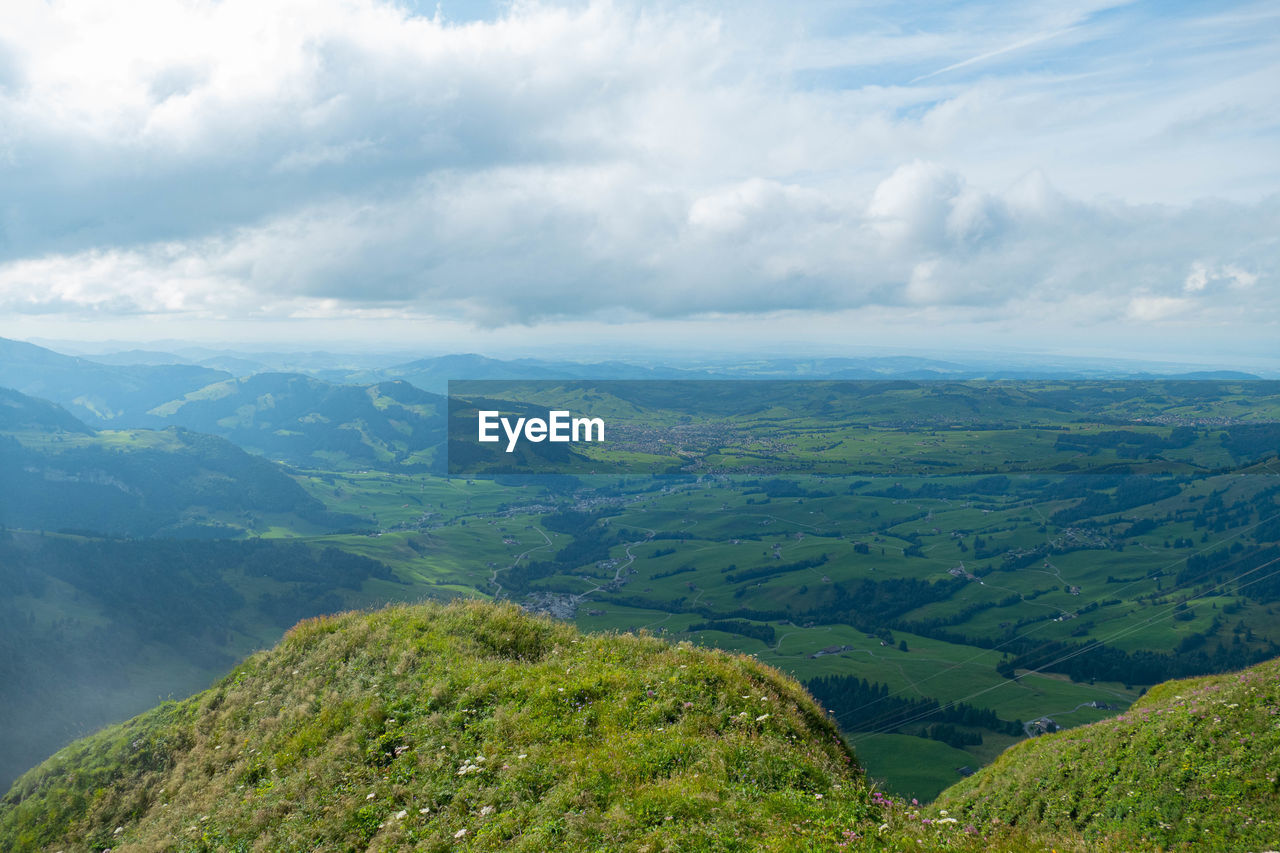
{"points": [[474, 726], [470, 726], [1195, 765]]}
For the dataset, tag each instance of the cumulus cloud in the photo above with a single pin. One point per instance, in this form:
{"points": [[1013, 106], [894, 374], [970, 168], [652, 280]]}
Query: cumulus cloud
{"points": [[608, 160]]}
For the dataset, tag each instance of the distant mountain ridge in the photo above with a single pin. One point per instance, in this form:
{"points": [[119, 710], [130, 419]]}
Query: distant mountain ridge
{"points": [[433, 373], [309, 422], [58, 473], [21, 413], [97, 393], [350, 413]]}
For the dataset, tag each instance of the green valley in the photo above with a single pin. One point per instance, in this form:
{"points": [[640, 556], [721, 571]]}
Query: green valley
{"points": [[949, 567]]}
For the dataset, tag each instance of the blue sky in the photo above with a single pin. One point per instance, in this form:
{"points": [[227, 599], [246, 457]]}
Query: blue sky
{"points": [[1087, 177]]}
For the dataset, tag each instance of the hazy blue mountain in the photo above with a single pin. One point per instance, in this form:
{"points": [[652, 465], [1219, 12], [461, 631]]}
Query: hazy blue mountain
{"points": [[58, 473], [21, 413], [100, 394], [309, 422], [1214, 374], [433, 374], [138, 356], [235, 365]]}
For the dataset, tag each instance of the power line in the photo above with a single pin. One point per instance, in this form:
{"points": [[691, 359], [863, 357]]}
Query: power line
{"points": [[1219, 543], [1072, 654]]}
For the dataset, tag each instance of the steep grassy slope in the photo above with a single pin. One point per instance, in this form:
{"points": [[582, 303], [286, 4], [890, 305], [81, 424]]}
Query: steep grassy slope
{"points": [[1194, 765], [468, 726]]}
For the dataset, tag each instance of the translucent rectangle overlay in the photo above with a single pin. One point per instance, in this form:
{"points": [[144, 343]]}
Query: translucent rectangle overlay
{"points": [[889, 428]]}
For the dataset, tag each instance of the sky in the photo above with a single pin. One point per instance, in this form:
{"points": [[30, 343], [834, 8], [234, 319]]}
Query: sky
{"points": [[1073, 177]]}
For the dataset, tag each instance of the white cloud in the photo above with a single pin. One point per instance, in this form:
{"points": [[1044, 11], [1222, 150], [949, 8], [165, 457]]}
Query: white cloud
{"points": [[614, 160], [1202, 275], [1153, 308]]}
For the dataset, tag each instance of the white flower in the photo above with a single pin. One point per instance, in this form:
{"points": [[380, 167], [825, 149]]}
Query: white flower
{"points": [[762, 717], [400, 815], [460, 833]]}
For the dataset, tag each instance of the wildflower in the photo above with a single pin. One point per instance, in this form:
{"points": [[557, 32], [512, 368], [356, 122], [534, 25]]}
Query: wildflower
{"points": [[762, 718], [460, 833], [400, 815]]}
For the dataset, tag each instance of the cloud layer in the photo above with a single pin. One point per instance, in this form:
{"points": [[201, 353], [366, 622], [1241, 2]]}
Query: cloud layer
{"points": [[612, 161]]}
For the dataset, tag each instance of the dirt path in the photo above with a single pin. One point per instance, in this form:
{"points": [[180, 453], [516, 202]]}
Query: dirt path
{"points": [[493, 578]]}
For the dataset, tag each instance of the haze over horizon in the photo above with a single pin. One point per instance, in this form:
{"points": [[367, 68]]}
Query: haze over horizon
{"points": [[1093, 179]]}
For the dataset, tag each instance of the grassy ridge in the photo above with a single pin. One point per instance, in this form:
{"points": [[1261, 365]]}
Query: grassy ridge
{"points": [[1195, 764], [475, 726], [466, 725]]}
